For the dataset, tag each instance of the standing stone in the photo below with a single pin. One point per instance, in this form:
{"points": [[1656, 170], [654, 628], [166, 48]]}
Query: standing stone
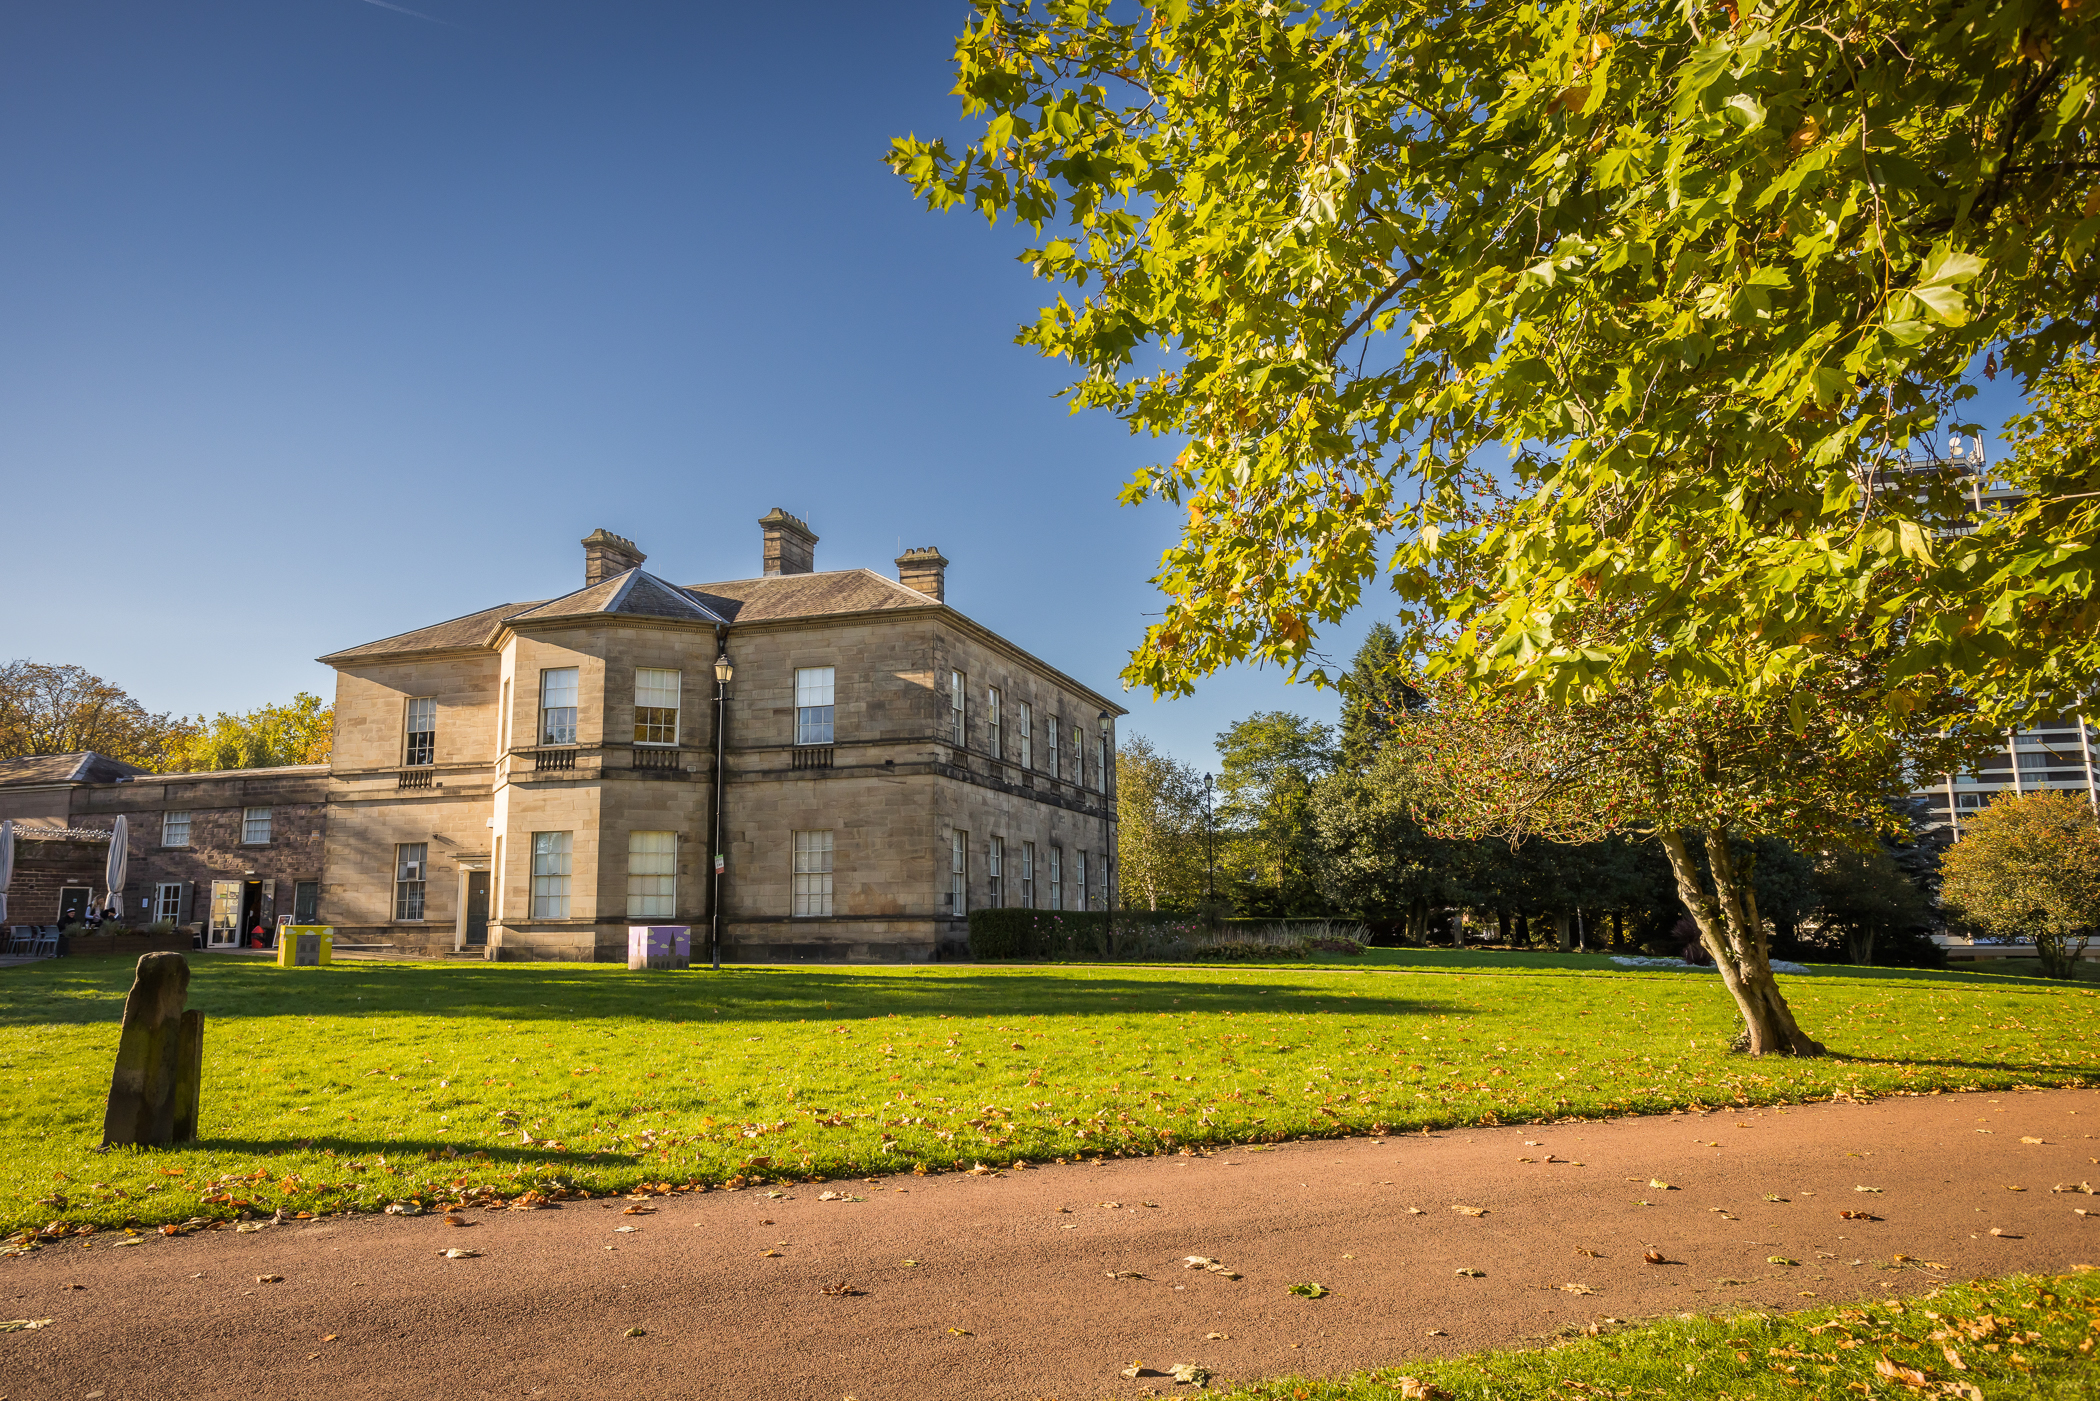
{"points": [[154, 1091]]}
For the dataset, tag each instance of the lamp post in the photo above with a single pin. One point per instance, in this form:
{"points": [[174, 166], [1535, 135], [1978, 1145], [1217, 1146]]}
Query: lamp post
{"points": [[1108, 840], [1210, 849], [725, 671]]}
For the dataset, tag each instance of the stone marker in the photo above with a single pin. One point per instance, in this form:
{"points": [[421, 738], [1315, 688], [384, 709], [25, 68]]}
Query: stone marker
{"points": [[160, 1059]]}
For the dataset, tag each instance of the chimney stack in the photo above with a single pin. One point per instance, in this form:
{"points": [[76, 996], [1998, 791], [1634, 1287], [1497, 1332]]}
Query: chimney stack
{"points": [[791, 547], [606, 554], [925, 570]]}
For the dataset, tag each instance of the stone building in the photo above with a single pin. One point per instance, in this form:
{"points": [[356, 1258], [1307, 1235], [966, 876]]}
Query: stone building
{"points": [[533, 778]]}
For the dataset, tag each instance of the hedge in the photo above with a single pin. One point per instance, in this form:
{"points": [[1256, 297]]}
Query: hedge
{"points": [[1027, 934]]}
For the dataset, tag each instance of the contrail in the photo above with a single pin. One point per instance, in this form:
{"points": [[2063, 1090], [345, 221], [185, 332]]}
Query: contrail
{"points": [[403, 9]]}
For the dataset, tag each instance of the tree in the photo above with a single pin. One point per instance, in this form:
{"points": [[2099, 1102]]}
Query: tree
{"points": [[1375, 695], [1706, 775], [301, 732], [2029, 867], [1159, 827], [1267, 767], [1705, 276], [47, 709], [1372, 857], [1864, 896]]}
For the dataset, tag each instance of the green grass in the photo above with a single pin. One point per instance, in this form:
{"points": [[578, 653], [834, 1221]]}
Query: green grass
{"points": [[2027, 1336], [363, 1084]]}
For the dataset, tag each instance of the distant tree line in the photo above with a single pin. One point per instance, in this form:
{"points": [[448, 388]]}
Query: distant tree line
{"points": [[58, 709], [1311, 820]]}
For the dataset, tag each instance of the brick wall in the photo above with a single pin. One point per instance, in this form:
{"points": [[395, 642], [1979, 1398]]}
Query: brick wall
{"points": [[43, 865]]}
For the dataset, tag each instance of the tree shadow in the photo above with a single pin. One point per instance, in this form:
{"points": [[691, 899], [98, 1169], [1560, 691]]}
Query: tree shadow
{"points": [[433, 1149], [53, 995]]}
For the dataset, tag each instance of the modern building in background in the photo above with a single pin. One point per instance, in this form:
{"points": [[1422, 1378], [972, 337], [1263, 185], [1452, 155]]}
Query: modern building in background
{"points": [[535, 777], [2053, 757]]}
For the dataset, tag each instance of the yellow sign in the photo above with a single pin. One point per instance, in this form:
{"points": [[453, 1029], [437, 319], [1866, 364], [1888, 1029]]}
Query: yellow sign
{"points": [[305, 945]]}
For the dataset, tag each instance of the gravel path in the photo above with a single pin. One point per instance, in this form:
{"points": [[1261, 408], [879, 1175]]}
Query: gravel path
{"points": [[1047, 1282]]}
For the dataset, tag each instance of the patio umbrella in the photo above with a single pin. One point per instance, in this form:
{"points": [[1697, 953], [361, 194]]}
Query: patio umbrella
{"points": [[119, 849], [7, 863]]}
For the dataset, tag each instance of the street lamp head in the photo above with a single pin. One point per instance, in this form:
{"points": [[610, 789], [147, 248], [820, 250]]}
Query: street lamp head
{"points": [[725, 670]]}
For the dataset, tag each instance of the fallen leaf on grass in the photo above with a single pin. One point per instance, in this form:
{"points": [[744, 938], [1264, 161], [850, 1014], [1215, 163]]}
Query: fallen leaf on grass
{"points": [[1897, 1372], [1470, 1210], [1954, 1360], [460, 1254], [1309, 1291], [1414, 1389]]}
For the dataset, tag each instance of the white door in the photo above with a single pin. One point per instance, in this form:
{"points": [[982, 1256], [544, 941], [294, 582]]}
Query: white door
{"points": [[224, 930]]}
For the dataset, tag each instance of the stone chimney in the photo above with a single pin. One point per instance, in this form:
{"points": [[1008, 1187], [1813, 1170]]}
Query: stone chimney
{"points": [[791, 547], [606, 554], [924, 570]]}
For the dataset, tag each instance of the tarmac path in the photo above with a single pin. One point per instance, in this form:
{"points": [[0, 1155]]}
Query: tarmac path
{"points": [[1047, 1282]]}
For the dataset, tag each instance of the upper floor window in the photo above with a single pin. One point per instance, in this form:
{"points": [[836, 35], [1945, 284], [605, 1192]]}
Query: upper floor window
{"points": [[558, 705], [811, 895], [1079, 757], [255, 826], [958, 698], [422, 731], [1050, 744], [175, 829], [656, 691], [813, 708], [1027, 735], [993, 739], [409, 859]]}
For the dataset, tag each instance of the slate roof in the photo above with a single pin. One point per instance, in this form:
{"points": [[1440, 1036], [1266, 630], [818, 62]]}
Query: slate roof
{"points": [[84, 767], [808, 595], [473, 630], [633, 593]]}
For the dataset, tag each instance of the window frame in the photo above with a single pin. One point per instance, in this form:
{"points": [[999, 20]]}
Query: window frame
{"points": [[994, 871], [958, 873], [668, 898], [811, 868], [168, 819], [561, 850], [549, 735], [1027, 875], [418, 747], [1055, 756], [1079, 890], [811, 727], [1079, 755], [994, 739], [676, 709], [1027, 755], [959, 708], [167, 901], [411, 881], [248, 826], [1057, 877]]}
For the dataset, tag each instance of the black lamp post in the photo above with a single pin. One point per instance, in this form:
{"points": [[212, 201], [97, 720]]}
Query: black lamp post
{"points": [[725, 671], [1108, 838]]}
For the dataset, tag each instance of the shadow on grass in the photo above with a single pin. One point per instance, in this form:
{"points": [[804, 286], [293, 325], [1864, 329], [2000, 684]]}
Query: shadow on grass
{"points": [[346, 1146], [54, 994]]}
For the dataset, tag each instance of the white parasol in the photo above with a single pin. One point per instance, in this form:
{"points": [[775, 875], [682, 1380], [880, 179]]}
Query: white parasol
{"points": [[119, 849], [7, 863]]}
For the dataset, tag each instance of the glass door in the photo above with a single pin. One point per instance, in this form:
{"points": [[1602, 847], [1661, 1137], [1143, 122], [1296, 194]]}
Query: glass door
{"points": [[224, 929]]}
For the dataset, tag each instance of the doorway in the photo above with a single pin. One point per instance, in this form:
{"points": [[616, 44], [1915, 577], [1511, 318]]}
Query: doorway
{"points": [[477, 907], [73, 904]]}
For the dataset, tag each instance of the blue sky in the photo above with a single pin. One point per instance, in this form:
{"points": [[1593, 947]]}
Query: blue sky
{"points": [[323, 321]]}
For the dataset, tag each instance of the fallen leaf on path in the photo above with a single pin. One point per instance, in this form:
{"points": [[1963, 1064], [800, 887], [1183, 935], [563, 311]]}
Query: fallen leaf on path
{"points": [[245, 1227], [1473, 1274], [1654, 1257], [1877, 1189], [1584, 1250], [269, 1279], [1123, 1274], [1780, 1260], [639, 1211], [1775, 1197], [2010, 1188], [1470, 1210], [451, 1219], [1189, 1374], [842, 1290], [1857, 1216], [1577, 1289], [1309, 1291], [328, 1337], [23, 1325], [1416, 1211], [2005, 1234], [962, 1332], [911, 1262], [1658, 1182], [1218, 1337], [626, 1230], [2033, 1140], [635, 1333], [769, 1255], [460, 1254], [2085, 1187]]}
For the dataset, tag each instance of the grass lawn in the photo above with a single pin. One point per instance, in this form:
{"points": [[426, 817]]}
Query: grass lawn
{"points": [[366, 1084], [2028, 1336]]}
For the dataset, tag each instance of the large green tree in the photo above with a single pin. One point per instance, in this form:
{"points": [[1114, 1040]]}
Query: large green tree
{"points": [[2029, 867], [1159, 828], [301, 731], [1632, 301], [1268, 767], [47, 709]]}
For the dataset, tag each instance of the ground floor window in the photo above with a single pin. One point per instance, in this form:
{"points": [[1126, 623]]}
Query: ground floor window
{"points": [[409, 860], [994, 868], [167, 901], [551, 853], [652, 875], [1027, 875], [812, 874], [1057, 878], [1079, 880], [959, 873]]}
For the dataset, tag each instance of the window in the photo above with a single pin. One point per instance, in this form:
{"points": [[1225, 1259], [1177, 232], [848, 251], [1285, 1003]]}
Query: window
{"points": [[558, 705], [958, 697], [419, 744], [503, 720], [995, 860], [550, 873], [1027, 875], [959, 873], [813, 708], [812, 889], [1027, 754], [255, 826], [993, 741], [175, 829], [167, 901], [1079, 755], [1050, 744], [408, 879], [652, 874], [656, 705], [1079, 881], [1057, 879]]}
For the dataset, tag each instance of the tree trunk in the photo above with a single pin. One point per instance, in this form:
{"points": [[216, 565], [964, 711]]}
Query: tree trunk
{"points": [[1732, 934], [1523, 939], [1859, 945], [1563, 934], [1458, 929], [1501, 925]]}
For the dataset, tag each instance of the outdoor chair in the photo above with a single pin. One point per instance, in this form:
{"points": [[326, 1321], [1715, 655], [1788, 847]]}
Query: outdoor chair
{"points": [[45, 944], [19, 938]]}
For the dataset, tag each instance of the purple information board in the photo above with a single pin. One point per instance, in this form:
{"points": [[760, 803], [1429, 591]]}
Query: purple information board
{"points": [[659, 946]]}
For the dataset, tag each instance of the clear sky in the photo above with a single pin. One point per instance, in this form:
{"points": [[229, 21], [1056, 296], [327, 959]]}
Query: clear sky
{"points": [[326, 319]]}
